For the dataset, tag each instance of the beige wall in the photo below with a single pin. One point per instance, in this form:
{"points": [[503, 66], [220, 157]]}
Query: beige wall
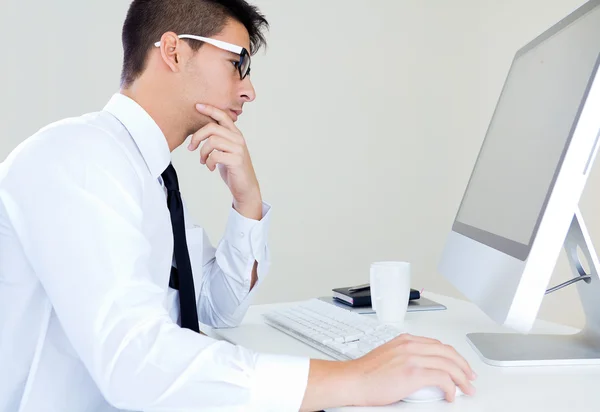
{"points": [[369, 118]]}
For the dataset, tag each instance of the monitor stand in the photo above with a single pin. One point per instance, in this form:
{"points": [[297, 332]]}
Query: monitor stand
{"points": [[583, 348]]}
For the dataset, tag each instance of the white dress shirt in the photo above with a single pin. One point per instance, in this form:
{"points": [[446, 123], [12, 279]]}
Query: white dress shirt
{"points": [[88, 322]]}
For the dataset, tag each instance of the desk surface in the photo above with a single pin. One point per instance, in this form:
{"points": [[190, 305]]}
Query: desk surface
{"points": [[563, 388]]}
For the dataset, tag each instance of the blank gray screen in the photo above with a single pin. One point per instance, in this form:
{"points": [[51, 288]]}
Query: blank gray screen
{"points": [[529, 131]]}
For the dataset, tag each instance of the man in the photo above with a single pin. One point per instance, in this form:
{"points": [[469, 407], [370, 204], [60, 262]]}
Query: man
{"points": [[103, 280]]}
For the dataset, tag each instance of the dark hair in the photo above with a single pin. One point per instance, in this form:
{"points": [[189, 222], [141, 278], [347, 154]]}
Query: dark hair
{"points": [[148, 20]]}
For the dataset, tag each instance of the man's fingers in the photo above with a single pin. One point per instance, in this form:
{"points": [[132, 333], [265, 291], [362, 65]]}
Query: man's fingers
{"points": [[216, 157], [433, 377], [439, 363], [449, 353], [218, 115], [216, 143], [211, 129], [431, 347]]}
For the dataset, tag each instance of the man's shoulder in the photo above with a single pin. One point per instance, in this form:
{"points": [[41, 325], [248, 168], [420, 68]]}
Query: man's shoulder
{"points": [[85, 134], [74, 146]]}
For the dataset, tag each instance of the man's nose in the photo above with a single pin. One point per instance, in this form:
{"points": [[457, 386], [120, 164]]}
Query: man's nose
{"points": [[248, 93]]}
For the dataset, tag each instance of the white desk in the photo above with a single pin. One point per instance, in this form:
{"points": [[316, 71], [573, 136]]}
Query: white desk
{"points": [[565, 388]]}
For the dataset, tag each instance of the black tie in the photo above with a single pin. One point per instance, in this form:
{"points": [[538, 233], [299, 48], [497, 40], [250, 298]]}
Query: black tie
{"points": [[181, 277]]}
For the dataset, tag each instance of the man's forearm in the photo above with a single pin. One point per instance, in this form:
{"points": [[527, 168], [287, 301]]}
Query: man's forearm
{"points": [[330, 384]]}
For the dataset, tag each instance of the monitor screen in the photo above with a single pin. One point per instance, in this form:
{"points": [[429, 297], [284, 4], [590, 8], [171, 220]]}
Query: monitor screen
{"points": [[528, 136]]}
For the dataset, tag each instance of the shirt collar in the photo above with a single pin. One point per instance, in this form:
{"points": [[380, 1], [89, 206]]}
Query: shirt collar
{"points": [[148, 137]]}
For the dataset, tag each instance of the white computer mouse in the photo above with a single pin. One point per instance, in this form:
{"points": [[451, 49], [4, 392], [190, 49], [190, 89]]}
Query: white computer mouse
{"points": [[429, 394]]}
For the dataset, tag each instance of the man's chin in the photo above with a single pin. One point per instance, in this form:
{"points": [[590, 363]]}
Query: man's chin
{"points": [[199, 124]]}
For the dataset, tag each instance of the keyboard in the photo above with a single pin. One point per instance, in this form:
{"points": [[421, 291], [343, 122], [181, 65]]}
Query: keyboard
{"points": [[339, 333]]}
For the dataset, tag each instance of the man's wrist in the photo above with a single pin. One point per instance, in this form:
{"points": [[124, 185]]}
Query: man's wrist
{"points": [[354, 373], [333, 384], [250, 209]]}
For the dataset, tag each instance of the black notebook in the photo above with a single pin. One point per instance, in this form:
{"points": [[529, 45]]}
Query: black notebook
{"points": [[362, 297]]}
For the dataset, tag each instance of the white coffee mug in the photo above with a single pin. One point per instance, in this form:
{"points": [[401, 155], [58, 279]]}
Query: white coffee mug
{"points": [[390, 290]]}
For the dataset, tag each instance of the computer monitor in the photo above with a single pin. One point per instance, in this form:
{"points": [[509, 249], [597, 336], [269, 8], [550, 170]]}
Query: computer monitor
{"points": [[520, 205]]}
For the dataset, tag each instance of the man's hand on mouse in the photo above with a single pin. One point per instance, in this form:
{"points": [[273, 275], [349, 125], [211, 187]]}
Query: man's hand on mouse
{"points": [[406, 364], [224, 146]]}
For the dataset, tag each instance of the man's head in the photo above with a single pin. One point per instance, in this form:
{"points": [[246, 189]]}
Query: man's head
{"points": [[181, 71]]}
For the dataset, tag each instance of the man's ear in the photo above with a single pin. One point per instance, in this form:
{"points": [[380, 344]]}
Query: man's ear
{"points": [[170, 50]]}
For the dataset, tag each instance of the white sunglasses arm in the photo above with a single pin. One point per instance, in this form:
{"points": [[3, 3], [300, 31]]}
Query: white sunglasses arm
{"points": [[217, 43]]}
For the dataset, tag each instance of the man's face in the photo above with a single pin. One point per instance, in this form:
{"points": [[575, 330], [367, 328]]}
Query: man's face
{"points": [[210, 76]]}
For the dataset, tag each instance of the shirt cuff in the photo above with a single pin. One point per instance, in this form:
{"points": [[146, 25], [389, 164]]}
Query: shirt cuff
{"points": [[249, 236], [280, 382]]}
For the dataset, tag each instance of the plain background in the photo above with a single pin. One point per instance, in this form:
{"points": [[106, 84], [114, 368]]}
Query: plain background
{"points": [[368, 121]]}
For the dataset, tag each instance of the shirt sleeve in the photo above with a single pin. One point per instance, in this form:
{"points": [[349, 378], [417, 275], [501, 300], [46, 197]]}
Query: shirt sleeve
{"points": [[223, 274], [80, 224]]}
